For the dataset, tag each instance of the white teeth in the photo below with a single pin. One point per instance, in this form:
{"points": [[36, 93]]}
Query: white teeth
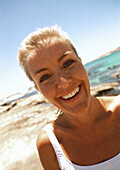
{"points": [[71, 94]]}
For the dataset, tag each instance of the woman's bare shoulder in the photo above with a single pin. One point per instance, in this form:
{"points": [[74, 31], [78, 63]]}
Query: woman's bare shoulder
{"points": [[108, 99], [113, 105], [42, 138], [46, 151], [112, 102]]}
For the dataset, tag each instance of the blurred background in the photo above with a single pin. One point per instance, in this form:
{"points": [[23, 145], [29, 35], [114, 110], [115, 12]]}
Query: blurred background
{"points": [[94, 28], [92, 25]]}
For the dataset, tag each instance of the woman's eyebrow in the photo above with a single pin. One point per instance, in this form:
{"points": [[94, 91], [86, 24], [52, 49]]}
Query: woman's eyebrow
{"points": [[64, 55], [38, 71], [61, 57]]}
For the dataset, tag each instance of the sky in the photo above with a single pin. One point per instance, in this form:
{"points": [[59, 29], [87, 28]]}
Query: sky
{"points": [[92, 25]]}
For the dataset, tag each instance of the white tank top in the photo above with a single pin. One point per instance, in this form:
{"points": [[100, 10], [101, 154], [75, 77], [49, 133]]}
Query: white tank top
{"points": [[66, 164]]}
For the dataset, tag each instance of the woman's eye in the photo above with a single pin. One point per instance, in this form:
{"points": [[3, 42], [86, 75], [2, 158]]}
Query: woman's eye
{"points": [[44, 77], [68, 63]]}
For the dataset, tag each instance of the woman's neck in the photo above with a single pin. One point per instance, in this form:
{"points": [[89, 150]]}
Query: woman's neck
{"points": [[89, 117]]}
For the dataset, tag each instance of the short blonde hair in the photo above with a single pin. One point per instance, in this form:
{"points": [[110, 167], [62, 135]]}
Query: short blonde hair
{"points": [[36, 40]]}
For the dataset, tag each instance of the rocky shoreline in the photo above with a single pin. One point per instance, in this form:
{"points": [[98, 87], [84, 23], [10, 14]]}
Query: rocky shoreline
{"points": [[21, 120]]}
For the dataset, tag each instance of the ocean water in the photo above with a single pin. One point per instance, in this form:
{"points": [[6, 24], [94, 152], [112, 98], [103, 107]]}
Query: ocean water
{"points": [[103, 69], [99, 71]]}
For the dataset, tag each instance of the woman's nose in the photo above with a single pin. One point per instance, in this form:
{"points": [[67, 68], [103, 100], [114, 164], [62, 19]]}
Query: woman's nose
{"points": [[63, 82]]}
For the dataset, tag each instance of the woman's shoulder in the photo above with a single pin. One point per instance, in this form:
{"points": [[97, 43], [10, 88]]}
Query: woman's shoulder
{"points": [[42, 138], [46, 151], [112, 103], [42, 143]]}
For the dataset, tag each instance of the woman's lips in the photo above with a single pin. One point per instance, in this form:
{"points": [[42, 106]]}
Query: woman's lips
{"points": [[72, 95]]}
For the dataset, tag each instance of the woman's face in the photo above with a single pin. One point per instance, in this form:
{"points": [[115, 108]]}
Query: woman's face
{"points": [[60, 76]]}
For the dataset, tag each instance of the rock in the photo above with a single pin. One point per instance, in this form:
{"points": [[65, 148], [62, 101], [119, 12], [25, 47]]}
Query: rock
{"points": [[6, 107], [21, 122], [117, 74], [105, 89]]}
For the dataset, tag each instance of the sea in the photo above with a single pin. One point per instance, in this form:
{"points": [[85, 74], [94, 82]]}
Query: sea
{"points": [[20, 126], [104, 69]]}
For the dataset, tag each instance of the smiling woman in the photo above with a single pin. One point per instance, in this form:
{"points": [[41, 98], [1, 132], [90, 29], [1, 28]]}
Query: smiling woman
{"points": [[86, 134]]}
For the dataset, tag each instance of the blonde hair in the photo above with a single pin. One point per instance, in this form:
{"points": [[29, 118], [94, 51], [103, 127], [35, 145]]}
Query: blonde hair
{"points": [[36, 40]]}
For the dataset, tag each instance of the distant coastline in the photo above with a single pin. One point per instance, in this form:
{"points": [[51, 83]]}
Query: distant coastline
{"points": [[110, 52], [104, 55]]}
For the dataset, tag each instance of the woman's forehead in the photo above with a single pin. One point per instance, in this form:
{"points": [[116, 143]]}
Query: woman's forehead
{"points": [[52, 50], [49, 55]]}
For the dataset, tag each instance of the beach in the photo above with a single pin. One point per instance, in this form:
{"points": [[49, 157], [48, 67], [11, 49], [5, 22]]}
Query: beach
{"points": [[21, 122], [22, 116]]}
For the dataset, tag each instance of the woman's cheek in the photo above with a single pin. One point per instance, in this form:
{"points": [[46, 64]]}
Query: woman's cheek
{"points": [[47, 91], [76, 71]]}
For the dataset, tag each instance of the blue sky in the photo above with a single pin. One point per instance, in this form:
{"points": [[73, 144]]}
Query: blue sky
{"points": [[92, 25]]}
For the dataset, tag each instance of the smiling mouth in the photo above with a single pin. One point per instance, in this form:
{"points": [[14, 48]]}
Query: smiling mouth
{"points": [[72, 94]]}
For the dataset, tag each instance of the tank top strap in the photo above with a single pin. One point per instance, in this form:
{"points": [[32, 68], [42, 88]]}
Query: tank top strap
{"points": [[65, 164], [112, 105], [56, 146], [117, 100]]}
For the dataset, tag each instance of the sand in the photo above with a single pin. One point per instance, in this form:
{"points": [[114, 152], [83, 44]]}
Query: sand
{"points": [[20, 123]]}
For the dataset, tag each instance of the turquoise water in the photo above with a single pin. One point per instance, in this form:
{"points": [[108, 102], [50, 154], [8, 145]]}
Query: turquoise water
{"points": [[103, 69], [99, 71]]}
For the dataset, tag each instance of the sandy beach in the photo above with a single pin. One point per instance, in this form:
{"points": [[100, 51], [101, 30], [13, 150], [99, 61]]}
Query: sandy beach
{"points": [[20, 123]]}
